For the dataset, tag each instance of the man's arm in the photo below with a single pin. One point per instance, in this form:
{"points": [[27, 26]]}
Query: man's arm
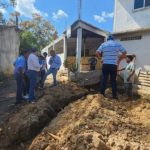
{"points": [[121, 69], [99, 52], [123, 51]]}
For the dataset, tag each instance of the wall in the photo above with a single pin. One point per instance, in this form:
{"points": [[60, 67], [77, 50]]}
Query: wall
{"points": [[126, 18], [9, 49], [141, 48]]}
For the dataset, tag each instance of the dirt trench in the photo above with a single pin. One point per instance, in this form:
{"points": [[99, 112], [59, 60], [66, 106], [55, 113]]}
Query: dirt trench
{"points": [[97, 123], [88, 122], [28, 121]]}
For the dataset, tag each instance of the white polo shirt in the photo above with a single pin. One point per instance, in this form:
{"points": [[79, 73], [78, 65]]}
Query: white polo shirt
{"points": [[33, 63]]}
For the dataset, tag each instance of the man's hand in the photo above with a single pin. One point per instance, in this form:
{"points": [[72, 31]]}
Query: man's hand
{"points": [[121, 69], [98, 55]]}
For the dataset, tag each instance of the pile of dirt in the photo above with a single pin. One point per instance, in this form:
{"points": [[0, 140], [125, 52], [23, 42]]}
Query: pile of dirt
{"points": [[25, 123], [95, 123]]}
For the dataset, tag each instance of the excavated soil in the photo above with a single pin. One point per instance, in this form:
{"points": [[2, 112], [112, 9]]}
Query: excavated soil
{"points": [[96, 123], [28, 120], [90, 123]]}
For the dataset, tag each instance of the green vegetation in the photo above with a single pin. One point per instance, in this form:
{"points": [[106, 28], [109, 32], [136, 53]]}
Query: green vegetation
{"points": [[70, 66], [37, 32]]}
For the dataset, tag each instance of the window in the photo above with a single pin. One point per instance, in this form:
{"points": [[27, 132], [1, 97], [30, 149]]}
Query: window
{"points": [[141, 4], [138, 4], [147, 3], [131, 38]]}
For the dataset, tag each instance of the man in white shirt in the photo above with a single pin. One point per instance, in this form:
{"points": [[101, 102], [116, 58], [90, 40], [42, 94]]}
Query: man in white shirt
{"points": [[129, 72], [55, 64], [33, 68]]}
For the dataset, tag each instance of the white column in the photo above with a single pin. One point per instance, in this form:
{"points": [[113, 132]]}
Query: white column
{"points": [[79, 48], [65, 48]]}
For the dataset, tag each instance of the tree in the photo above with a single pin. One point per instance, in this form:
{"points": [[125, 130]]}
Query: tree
{"points": [[42, 30], [27, 40]]}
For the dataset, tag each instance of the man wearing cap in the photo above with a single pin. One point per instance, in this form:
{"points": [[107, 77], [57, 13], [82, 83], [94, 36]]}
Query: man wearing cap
{"points": [[55, 64], [20, 67], [33, 69], [110, 52]]}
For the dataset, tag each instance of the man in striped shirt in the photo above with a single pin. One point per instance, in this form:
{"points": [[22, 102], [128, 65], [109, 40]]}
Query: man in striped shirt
{"points": [[110, 52]]}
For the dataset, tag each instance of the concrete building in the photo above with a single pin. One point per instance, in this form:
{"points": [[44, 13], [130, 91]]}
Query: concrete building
{"points": [[78, 42], [77, 45], [9, 48], [132, 29], [131, 15]]}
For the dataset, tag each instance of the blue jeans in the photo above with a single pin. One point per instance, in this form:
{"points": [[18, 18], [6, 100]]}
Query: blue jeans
{"points": [[107, 70], [32, 77], [19, 92], [52, 71]]}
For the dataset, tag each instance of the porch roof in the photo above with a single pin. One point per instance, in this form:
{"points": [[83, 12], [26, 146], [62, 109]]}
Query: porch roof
{"points": [[89, 31]]}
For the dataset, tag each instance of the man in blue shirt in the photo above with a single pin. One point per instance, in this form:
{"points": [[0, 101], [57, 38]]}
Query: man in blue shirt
{"points": [[55, 64], [110, 52], [20, 67]]}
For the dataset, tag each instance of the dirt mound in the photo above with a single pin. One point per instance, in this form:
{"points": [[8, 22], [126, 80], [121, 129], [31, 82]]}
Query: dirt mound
{"points": [[31, 118], [95, 123]]}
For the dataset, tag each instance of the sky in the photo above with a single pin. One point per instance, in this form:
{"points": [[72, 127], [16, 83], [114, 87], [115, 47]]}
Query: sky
{"points": [[63, 13]]}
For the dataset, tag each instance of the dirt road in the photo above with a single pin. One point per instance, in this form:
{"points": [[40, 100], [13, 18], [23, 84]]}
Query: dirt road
{"points": [[7, 98]]}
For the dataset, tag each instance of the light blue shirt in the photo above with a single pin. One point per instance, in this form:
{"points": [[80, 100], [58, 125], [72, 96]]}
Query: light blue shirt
{"points": [[55, 62], [110, 52], [20, 63]]}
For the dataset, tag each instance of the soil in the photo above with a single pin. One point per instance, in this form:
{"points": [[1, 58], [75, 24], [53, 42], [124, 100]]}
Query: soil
{"points": [[96, 123], [89, 122], [7, 98], [28, 119]]}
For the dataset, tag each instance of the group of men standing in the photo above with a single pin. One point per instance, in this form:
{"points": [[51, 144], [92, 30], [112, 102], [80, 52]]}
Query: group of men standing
{"points": [[28, 68]]}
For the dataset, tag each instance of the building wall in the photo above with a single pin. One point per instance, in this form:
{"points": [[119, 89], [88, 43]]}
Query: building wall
{"points": [[141, 48], [126, 18], [9, 49]]}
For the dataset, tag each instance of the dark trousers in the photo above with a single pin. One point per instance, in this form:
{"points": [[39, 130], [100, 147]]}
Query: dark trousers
{"points": [[128, 89], [26, 85], [52, 71], [43, 72], [109, 70], [32, 76], [19, 92]]}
